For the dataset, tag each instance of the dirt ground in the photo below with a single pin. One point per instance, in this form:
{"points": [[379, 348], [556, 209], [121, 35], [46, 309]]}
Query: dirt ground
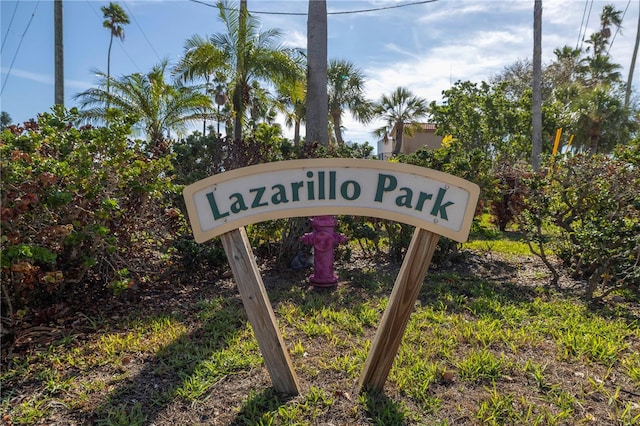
{"points": [[234, 398]]}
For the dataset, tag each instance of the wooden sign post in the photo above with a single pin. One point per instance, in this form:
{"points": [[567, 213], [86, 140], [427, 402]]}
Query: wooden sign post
{"points": [[396, 316], [436, 203], [259, 311]]}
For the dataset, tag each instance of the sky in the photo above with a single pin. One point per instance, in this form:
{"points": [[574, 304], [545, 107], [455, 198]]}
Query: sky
{"points": [[422, 46]]}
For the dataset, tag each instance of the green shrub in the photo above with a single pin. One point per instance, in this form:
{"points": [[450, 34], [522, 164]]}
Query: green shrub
{"points": [[452, 158], [509, 192], [593, 202], [80, 207]]}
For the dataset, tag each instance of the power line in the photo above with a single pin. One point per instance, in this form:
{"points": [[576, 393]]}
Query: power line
{"points": [[586, 23], [382, 8], [141, 30], [619, 26], [584, 12], [18, 48], [129, 56], [328, 13], [9, 26]]}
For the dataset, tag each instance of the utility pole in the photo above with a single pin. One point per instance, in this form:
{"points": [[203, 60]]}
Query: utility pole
{"points": [[536, 101], [627, 95], [59, 52]]}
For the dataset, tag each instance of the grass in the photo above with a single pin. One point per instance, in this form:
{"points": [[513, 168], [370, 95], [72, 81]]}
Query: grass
{"points": [[475, 351], [486, 238]]}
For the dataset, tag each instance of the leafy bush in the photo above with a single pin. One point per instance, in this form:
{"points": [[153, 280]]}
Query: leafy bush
{"points": [[80, 207], [451, 158], [509, 192], [198, 157], [594, 203]]}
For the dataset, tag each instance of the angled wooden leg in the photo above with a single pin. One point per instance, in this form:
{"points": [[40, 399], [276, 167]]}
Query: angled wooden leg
{"points": [[258, 306], [396, 316]]}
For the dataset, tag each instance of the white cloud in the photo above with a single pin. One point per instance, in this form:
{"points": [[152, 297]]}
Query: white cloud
{"points": [[42, 78], [29, 75], [394, 48], [296, 39]]}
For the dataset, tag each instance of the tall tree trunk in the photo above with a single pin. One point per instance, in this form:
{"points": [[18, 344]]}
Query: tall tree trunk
{"points": [[238, 95], [109, 74], [337, 125], [238, 108], [632, 67], [398, 136], [296, 132], [594, 137], [109, 63], [536, 111], [317, 100]]}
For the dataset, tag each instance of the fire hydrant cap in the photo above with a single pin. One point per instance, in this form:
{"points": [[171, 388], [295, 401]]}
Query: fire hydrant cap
{"points": [[324, 221]]}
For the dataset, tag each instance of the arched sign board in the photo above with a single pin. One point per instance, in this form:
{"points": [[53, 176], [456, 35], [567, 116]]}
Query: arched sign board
{"points": [[436, 203]]}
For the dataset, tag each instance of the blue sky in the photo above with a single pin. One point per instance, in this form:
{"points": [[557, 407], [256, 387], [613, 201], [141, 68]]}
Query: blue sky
{"points": [[423, 47]]}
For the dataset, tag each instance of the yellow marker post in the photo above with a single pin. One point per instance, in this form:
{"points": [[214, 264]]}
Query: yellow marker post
{"points": [[556, 143], [569, 143]]}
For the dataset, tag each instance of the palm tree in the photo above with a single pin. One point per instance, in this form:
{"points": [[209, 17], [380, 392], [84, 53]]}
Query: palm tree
{"points": [[401, 111], [202, 60], [597, 65], [599, 78], [5, 120], [243, 52], [262, 107], [610, 16], [596, 111], [291, 97], [317, 109], [114, 19], [566, 68], [159, 106], [346, 91]]}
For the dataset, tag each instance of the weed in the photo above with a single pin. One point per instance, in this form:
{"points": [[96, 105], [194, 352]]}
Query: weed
{"points": [[30, 411], [593, 346], [298, 349], [480, 365], [631, 364], [315, 328], [629, 415], [124, 415], [382, 411], [260, 408], [310, 406], [289, 313], [241, 353], [505, 408], [561, 399], [536, 372], [508, 248], [348, 364]]}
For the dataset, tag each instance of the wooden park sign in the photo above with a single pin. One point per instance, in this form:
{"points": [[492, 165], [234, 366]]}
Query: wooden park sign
{"points": [[436, 203]]}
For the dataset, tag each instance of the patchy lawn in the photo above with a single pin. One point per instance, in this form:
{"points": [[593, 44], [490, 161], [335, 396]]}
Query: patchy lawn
{"points": [[488, 343]]}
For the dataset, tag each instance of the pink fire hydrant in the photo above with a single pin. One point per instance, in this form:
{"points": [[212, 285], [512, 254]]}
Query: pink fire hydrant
{"points": [[324, 239]]}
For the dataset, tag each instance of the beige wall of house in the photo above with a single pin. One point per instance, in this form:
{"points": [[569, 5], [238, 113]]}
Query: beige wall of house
{"points": [[410, 144]]}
